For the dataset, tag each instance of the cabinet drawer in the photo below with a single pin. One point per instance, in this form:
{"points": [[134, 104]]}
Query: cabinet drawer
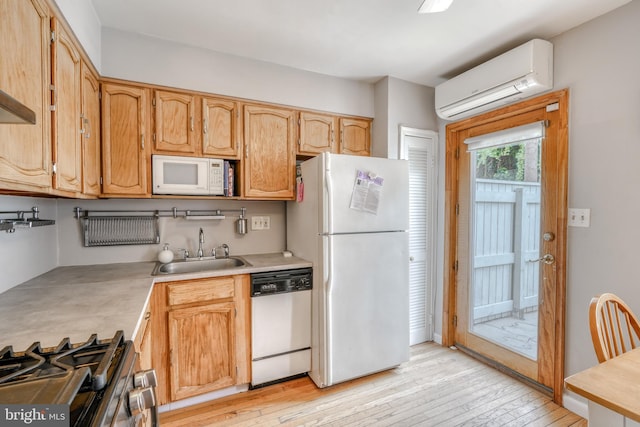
{"points": [[195, 291]]}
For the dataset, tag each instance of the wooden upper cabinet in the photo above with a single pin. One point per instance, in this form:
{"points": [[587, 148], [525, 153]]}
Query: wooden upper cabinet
{"points": [[316, 133], [125, 155], [90, 132], [174, 123], [66, 123], [25, 149], [221, 130], [269, 161], [355, 136]]}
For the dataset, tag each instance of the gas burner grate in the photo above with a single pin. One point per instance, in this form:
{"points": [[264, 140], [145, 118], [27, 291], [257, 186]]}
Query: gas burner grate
{"points": [[39, 363]]}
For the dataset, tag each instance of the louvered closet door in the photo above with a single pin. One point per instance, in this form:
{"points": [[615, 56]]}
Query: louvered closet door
{"points": [[418, 146]]}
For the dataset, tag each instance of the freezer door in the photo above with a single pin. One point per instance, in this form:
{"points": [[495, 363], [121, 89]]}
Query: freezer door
{"points": [[366, 306], [339, 181]]}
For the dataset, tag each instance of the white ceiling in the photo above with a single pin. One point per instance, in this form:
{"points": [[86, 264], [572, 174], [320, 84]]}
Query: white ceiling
{"points": [[355, 39]]}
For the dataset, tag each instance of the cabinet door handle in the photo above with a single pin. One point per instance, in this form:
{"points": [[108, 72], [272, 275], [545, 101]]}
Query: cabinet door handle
{"points": [[142, 141], [191, 120], [205, 125], [87, 130]]}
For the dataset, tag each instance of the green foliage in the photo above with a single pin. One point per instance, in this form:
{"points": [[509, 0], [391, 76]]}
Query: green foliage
{"points": [[506, 163]]}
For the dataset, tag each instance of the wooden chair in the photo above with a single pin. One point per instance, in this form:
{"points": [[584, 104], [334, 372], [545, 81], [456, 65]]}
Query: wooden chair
{"points": [[614, 327]]}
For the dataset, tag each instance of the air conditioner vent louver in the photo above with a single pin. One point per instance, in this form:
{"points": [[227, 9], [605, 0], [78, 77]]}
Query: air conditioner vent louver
{"points": [[514, 75]]}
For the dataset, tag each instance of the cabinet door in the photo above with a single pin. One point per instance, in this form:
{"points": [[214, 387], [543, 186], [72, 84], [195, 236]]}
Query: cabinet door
{"points": [[355, 136], [66, 137], [142, 342], [25, 150], [220, 128], [269, 165], [124, 151], [202, 349], [175, 126], [316, 133], [90, 132]]}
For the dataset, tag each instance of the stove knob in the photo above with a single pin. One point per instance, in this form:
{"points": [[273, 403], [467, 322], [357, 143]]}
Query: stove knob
{"points": [[141, 399], [145, 379]]}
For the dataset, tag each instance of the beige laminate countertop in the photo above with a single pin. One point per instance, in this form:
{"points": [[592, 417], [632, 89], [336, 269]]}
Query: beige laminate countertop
{"points": [[78, 301]]}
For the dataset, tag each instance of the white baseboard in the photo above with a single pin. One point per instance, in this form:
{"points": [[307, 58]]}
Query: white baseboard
{"points": [[575, 405], [437, 338]]}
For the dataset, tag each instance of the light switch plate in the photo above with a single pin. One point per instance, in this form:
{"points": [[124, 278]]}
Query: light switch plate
{"points": [[260, 222], [579, 217], [256, 223]]}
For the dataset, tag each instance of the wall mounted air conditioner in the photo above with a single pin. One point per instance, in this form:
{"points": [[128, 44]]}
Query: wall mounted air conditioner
{"points": [[514, 75]]}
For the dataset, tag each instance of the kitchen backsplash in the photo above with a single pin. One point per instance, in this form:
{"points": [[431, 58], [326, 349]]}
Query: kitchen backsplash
{"points": [[27, 253]]}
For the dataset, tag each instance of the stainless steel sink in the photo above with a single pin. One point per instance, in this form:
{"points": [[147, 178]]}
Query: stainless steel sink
{"points": [[198, 265]]}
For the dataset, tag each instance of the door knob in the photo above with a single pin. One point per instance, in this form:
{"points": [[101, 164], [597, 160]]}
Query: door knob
{"points": [[546, 258]]}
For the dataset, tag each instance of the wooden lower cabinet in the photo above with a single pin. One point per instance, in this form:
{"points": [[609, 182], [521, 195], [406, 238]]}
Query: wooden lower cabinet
{"points": [[142, 342], [201, 336], [202, 356]]}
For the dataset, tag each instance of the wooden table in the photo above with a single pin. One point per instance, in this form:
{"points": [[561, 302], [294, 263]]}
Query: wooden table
{"points": [[613, 390]]}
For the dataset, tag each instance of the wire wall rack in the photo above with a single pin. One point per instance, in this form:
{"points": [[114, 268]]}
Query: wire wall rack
{"points": [[18, 220]]}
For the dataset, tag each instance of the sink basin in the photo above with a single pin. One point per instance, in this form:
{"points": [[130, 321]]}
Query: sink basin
{"points": [[197, 265]]}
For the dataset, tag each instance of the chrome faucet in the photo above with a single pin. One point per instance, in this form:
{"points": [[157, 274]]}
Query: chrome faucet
{"points": [[201, 241], [224, 247]]}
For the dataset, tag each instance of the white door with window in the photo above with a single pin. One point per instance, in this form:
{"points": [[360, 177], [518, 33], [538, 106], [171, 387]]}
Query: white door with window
{"points": [[419, 148]]}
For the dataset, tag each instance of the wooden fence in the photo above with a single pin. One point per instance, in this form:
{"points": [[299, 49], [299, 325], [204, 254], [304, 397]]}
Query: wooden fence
{"points": [[507, 229]]}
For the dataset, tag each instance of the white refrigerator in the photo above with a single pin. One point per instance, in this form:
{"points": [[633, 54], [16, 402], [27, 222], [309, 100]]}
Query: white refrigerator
{"points": [[352, 222]]}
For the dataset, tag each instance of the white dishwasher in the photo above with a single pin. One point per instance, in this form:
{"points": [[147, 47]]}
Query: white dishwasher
{"points": [[280, 325]]}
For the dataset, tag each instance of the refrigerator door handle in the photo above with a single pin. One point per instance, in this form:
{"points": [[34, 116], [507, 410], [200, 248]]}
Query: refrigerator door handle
{"points": [[329, 201], [328, 317]]}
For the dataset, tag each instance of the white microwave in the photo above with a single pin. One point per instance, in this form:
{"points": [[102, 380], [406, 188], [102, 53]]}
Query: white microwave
{"points": [[187, 175]]}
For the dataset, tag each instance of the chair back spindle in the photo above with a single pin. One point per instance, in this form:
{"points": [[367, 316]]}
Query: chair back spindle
{"points": [[614, 328]]}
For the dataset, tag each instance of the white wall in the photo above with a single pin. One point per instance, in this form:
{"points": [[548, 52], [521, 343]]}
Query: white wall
{"points": [[600, 65], [28, 252], [151, 60], [84, 21], [400, 103]]}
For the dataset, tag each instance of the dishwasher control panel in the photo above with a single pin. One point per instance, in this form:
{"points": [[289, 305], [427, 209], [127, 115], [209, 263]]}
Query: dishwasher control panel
{"points": [[277, 282]]}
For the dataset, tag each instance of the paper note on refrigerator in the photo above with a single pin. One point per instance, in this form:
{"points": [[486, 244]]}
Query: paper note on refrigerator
{"points": [[366, 192]]}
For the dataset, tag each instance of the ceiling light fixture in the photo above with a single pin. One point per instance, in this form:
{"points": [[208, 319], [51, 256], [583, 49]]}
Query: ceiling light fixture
{"points": [[433, 6]]}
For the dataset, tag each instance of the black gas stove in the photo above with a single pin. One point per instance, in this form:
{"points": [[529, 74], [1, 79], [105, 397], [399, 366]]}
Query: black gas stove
{"points": [[96, 379]]}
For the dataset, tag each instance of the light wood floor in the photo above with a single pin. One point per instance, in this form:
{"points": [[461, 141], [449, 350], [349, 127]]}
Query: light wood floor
{"points": [[437, 387]]}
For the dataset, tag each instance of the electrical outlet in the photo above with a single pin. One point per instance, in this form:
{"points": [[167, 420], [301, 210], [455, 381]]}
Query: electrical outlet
{"points": [[579, 217], [266, 222]]}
